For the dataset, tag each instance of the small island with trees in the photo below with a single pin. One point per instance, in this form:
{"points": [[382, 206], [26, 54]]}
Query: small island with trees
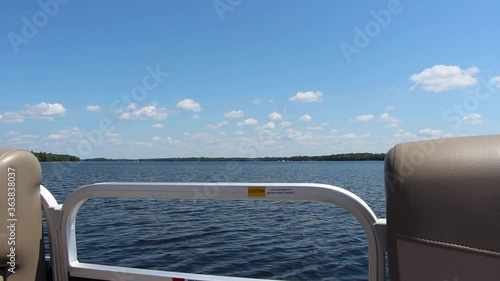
{"points": [[51, 157]]}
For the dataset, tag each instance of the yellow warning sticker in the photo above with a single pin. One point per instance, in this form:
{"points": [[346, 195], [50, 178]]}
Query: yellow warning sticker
{"points": [[256, 191]]}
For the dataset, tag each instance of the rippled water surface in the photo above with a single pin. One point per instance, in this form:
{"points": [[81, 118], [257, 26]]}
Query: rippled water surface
{"points": [[258, 239]]}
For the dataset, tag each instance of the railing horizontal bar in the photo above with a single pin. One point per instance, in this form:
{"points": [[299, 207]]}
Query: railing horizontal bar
{"points": [[104, 272], [234, 191]]}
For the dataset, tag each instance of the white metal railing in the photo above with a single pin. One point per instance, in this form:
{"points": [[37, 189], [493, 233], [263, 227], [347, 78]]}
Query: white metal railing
{"points": [[53, 213], [61, 221]]}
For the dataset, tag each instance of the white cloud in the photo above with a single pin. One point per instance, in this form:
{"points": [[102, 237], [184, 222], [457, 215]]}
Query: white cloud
{"points": [[112, 135], [430, 132], [41, 111], [31, 136], [248, 122], [189, 104], [393, 125], [309, 96], [163, 140], [298, 135], [54, 137], [386, 117], [141, 113], [239, 133], [472, 119], [195, 117], [353, 137], [74, 132], [401, 135], [217, 125], [115, 141], [390, 107], [93, 108], [12, 117], [305, 118], [364, 118], [269, 125], [274, 116], [285, 124], [72, 135], [140, 144], [350, 136], [24, 139], [256, 101], [440, 78], [234, 114], [158, 126], [495, 81], [316, 128]]}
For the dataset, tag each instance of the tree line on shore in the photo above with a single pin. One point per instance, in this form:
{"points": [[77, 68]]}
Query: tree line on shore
{"points": [[333, 157], [52, 157]]}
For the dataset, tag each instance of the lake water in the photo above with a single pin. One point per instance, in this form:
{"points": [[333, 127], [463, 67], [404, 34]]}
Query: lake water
{"points": [[258, 239]]}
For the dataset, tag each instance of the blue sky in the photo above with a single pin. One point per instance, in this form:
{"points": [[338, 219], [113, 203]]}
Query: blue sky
{"points": [[140, 79]]}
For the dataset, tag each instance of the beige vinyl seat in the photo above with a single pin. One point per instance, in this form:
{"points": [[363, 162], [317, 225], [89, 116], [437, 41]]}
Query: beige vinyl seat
{"points": [[26, 223], [443, 209]]}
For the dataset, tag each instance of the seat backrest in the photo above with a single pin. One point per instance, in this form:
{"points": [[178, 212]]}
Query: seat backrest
{"points": [[21, 243], [443, 209]]}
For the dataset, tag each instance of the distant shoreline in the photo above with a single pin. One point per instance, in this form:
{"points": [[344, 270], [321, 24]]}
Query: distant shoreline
{"points": [[50, 157], [333, 157]]}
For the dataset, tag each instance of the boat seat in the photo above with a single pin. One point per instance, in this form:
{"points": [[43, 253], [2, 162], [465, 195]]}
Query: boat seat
{"points": [[443, 209], [22, 223]]}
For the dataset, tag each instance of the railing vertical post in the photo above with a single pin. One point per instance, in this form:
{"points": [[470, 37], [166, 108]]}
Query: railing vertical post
{"points": [[53, 216]]}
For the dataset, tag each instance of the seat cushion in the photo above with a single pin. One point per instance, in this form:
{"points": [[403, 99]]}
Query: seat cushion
{"points": [[21, 244], [443, 209]]}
